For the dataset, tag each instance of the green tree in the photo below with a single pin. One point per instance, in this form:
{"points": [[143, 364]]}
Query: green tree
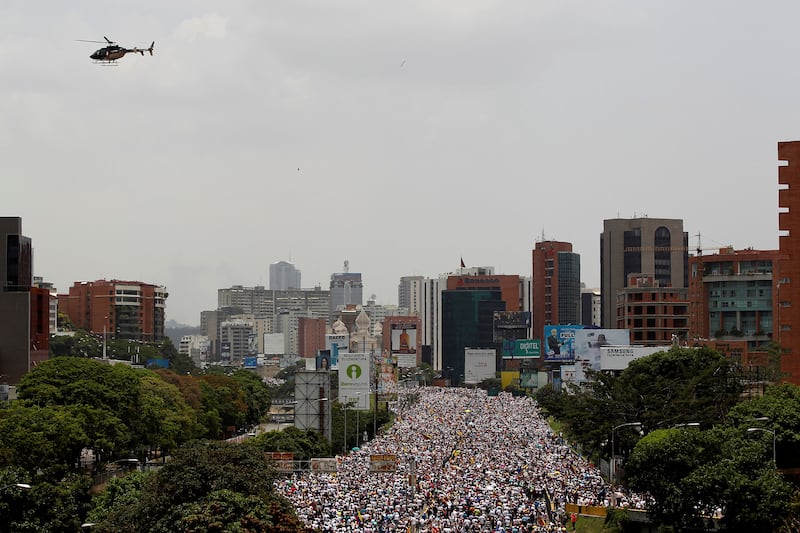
{"points": [[304, 444], [45, 441], [255, 394], [691, 474], [165, 420], [207, 486], [106, 395]]}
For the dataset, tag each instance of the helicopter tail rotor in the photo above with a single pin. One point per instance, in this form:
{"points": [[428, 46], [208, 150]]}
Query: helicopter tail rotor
{"points": [[151, 48]]}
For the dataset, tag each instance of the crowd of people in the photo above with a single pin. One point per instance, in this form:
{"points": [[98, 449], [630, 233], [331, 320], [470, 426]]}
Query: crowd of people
{"points": [[466, 462]]}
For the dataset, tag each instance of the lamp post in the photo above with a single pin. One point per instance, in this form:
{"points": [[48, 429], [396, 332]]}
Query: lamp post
{"points": [[345, 424], [613, 449], [20, 486], [774, 459], [358, 421]]}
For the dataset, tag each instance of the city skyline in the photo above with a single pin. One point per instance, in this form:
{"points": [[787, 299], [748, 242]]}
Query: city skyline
{"points": [[401, 138]]}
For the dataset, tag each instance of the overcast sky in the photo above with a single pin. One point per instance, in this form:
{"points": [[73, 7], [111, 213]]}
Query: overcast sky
{"points": [[401, 136]]}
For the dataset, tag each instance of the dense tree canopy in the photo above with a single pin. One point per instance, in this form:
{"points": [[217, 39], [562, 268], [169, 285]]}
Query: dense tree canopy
{"points": [[662, 390], [207, 486]]}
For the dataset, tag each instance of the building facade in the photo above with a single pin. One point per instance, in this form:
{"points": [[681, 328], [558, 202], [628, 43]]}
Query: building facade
{"points": [[654, 315], [24, 310], [467, 322], [346, 289], [656, 247], [269, 303], [590, 307], [310, 336], [732, 296], [129, 310], [283, 276], [556, 285], [787, 284], [410, 294]]}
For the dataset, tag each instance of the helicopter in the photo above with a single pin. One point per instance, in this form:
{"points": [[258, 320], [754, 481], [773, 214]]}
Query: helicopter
{"points": [[109, 54]]}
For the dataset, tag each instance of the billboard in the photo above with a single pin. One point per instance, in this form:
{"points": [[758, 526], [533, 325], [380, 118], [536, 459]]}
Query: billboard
{"points": [[252, 344], [323, 361], [274, 344], [337, 343], [588, 342], [323, 464], [618, 357], [559, 343], [529, 379], [382, 463], [250, 362], [225, 351], [479, 364], [510, 325], [354, 372], [404, 344], [522, 349]]}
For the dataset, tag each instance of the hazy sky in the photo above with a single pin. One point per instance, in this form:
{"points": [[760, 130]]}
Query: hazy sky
{"points": [[401, 136]]}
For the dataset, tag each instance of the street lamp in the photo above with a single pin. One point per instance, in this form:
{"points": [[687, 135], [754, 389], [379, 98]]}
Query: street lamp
{"points": [[774, 459], [358, 421], [613, 450], [21, 486], [345, 424]]}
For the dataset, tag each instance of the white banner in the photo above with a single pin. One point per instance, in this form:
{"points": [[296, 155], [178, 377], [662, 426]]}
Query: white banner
{"points": [[354, 378], [479, 364]]}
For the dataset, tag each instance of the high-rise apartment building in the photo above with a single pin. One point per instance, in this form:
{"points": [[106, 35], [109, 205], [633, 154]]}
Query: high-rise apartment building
{"points": [[787, 278], [24, 310], [556, 285], [409, 293], [121, 309], [590, 307], [655, 247], [283, 276], [262, 302], [346, 289]]}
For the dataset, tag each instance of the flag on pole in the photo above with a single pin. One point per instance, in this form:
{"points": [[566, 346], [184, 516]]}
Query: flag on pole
{"points": [[462, 263]]}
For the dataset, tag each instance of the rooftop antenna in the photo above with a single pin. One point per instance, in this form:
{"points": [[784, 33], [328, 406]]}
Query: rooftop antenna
{"points": [[699, 248], [346, 266]]}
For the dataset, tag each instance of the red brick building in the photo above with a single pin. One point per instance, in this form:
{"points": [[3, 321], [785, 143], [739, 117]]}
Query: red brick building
{"points": [[787, 275], [733, 296], [122, 309], [555, 286], [652, 313], [310, 336]]}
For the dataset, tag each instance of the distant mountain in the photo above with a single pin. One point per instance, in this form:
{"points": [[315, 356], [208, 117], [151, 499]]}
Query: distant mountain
{"points": [[175, 330]]}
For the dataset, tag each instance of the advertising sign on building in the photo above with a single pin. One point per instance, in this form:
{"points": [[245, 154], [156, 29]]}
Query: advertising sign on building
{"points": [[559, 343], [252, 344], [589, 341], [522, 349], [225, 351], [479, 364], [511, 325], [274, 344], [618, 357], [404, 344], [250, 362], [354, 372]]}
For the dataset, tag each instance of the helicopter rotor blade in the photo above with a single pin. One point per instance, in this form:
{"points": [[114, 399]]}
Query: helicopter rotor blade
{"points": [[88, 41], [109, 41]]}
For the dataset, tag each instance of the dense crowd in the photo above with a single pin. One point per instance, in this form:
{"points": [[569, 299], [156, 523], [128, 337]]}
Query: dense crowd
{"points": [[466, 462]]}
